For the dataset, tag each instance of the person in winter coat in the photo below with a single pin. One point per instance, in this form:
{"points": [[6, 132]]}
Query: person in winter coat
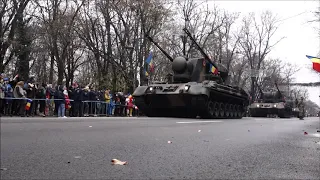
{"points": [[93, 97], [129, 106], [70, 94], [41, 94], [19, 92], [111, 105], [2, 94], [107, 97], [66, 97], [78, 98], [49, 103], [31, 89], [9, 94], [85, 96], [60, 103]]}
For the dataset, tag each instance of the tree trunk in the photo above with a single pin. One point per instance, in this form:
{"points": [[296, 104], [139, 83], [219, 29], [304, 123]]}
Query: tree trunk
{"points": [[114, 79], [51, 67], [60, 73], [23, 48], [253, 79]]}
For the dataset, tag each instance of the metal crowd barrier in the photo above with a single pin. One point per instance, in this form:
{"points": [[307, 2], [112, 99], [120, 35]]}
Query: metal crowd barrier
{"points": [[87, 108], [98, 108]]}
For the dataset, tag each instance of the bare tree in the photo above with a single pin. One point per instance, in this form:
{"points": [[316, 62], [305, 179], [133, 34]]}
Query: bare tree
{"points": [[59, 19], [10, 11], [255, 41]]}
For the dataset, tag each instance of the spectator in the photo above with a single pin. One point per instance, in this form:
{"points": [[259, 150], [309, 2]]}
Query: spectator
{"points": [[70, 94], [129, 105], [30, 88], [77, 97], [107, 97], [41, 94], [9, 94], [60, 103], [19, 92], [67, 100], [86, 91]]}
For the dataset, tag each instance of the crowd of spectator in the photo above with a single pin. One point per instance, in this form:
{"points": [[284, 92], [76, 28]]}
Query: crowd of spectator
{"points": [[29, 98]]}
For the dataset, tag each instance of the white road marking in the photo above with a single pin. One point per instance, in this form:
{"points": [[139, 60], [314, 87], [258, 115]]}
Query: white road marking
{"points": [[189, 122]]}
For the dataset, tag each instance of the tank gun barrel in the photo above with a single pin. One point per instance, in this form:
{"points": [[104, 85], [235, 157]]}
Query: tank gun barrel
{"points": [[162, 50], [277, 87], [260, 90], [281, 95], [199, 48]]}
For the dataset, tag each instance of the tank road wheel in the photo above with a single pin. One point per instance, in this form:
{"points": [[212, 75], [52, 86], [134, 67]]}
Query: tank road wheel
{"points": [[211, 109], [227, 110], [238, 111], [232, 113], [235, 111], [216, 110], [221, 109]]}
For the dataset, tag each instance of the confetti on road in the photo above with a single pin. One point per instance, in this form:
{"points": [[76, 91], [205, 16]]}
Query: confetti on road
{"points": [[118, 162], [169, 142]]}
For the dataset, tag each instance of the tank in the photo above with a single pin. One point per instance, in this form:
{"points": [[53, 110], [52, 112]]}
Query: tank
{"points": [[197, 87], [273, 103]]}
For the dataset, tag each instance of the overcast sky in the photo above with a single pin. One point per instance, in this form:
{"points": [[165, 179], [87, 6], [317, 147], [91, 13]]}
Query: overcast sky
{"points": [[301, 36]]}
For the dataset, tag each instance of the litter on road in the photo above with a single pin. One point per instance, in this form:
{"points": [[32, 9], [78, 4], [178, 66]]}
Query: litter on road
{"points": [[118, 162]]}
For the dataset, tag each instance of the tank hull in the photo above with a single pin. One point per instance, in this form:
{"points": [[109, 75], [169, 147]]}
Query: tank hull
{"points": [[270, 109], [204, 100]]}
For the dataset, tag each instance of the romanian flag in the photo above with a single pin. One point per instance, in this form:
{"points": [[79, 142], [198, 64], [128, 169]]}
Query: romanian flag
{"points": [[28, 105], [149, 65], [213, 69], [315, 63]]}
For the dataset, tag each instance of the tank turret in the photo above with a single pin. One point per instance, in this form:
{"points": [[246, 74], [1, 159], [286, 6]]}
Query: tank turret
{"points": [[221, 71], [194, 69]]}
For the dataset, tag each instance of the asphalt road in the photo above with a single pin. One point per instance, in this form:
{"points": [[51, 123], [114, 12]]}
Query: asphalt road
{"points": [[82, 148]]}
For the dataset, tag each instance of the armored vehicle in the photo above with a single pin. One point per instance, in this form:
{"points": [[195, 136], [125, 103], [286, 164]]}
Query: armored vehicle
{"points": [[197, 87], [273, 103]]}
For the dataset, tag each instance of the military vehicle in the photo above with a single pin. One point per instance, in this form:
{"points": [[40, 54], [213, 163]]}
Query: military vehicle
{"points": [[192, 90], [273, 103]]}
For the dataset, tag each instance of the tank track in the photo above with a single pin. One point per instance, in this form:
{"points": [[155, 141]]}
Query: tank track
{"points": [[207, 108]]}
